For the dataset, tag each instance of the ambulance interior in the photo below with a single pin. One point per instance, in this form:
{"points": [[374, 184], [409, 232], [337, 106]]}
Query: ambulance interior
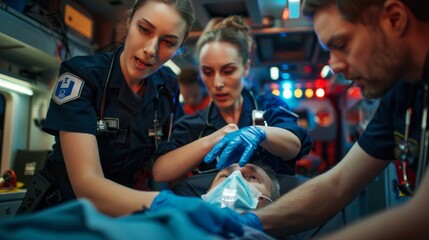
{"points": [[35, 36]]}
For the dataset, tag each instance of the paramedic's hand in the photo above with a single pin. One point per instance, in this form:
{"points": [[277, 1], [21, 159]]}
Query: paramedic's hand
{"points": [[236, 145], [202, 214], [250, 219]]}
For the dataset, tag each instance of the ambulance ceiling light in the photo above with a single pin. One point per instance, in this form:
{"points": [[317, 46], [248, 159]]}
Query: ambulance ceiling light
{"points": [[287, 85], [285, 75], [309, 93], [298, 93], [287, 93], [320, 92], [14, 84], [284, 67], [274, 73], [294, 9], [275, 92]]}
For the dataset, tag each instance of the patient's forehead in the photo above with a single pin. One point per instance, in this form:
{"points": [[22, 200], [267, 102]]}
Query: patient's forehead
{"points": [[249, 169], [246, 168]]}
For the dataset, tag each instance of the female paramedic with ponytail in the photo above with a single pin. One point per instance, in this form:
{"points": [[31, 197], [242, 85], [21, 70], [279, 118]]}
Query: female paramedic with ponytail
{"points": [[109, 111], [224, 62]]}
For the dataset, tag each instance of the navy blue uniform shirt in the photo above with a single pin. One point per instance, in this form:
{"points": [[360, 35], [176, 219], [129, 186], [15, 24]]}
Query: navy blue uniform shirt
{"points": [[387, 127], [75, 107], [277, 114]]}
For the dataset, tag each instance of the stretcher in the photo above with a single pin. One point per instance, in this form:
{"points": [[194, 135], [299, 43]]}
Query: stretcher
{"points": [[80, 219]]}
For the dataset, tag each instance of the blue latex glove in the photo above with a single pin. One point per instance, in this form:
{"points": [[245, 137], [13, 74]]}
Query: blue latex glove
{"points": [[236, 145], [250, 219], [202, 214]]}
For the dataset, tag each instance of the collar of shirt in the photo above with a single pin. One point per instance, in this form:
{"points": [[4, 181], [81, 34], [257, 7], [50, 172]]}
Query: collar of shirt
{"points": [[245, 117], [126, 95]]}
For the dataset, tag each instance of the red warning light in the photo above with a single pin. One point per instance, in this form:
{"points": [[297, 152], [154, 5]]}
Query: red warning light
{"points": [[274, 86], [324, 118], [354, 92], [319, 83], [307, 69]]}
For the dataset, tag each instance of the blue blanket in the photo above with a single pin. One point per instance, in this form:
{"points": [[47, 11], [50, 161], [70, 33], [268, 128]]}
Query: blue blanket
{"points": [[80, 220]]}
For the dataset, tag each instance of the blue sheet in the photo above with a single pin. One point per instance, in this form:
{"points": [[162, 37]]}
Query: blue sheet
{"points": [[80, 220]]}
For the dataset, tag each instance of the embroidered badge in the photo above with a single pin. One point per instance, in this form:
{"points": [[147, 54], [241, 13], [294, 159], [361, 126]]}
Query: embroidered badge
{"points": [[69, 87]]}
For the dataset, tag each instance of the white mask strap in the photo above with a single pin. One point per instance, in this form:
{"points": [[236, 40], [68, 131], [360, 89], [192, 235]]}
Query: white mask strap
{"points": [[266, 198]]}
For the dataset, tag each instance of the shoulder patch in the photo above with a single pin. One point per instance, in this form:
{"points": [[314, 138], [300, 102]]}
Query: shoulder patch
{"points": [[69, 87]]}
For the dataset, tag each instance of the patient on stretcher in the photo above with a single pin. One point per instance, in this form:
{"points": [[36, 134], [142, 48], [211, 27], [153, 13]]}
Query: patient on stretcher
{"points": [[243, 188]]}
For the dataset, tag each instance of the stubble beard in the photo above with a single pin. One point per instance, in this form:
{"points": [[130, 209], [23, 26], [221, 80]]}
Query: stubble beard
{"points": [[387, 67]]}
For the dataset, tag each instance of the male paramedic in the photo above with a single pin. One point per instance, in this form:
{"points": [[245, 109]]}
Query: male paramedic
{"points": [[383, 46]]}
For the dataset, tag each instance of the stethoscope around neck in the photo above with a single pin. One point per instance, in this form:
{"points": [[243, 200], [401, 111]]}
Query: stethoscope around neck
{"points": [[257, 115], [406, 157], [103, 128]]}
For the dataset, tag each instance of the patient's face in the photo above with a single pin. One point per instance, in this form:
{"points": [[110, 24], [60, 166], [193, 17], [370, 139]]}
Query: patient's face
{"points": [[253, 174]]}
